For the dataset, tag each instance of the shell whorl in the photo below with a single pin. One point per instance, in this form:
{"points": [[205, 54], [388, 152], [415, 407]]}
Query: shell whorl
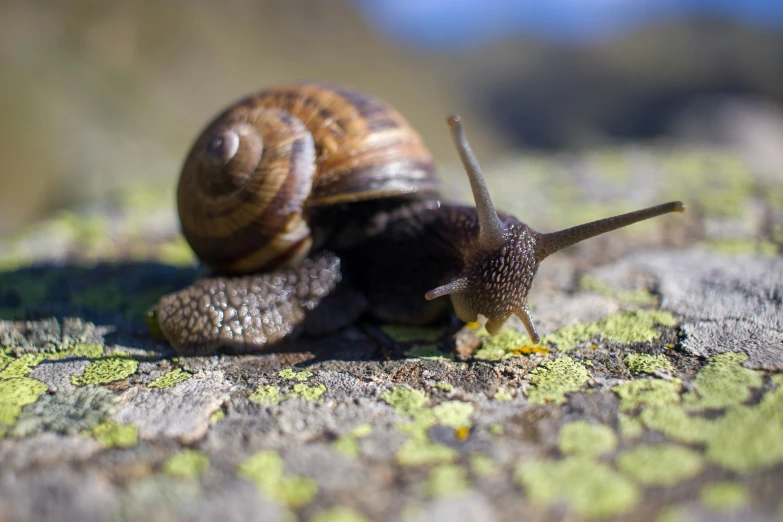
{"points": [[251, 176]]}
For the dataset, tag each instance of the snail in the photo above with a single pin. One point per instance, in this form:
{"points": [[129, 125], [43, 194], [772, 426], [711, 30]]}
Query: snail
{"points": [[316, 204]]}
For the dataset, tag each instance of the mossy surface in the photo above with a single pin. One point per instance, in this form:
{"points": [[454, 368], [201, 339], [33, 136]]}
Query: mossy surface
{"points": [[554, 379], [661, 465], [187, 463], [587, 487], [580, 438], [267, 470]]}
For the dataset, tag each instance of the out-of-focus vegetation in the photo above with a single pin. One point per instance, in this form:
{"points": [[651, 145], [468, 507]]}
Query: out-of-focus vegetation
{"points": [[99, 96]]}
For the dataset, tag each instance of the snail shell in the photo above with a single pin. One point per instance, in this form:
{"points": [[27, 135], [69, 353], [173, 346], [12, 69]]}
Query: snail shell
{"points": [[257, 171]]}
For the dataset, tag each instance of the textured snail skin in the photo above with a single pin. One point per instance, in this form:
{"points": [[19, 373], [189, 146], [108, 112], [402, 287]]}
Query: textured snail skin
{"points": [[246, 311], [316, 204]]}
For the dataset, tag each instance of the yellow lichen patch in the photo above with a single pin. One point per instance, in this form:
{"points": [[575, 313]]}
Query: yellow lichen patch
{"points": [[530, 349]]}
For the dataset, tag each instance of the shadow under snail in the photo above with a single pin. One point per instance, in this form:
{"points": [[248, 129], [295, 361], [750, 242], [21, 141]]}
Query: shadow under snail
{"points": [[315, 204]]}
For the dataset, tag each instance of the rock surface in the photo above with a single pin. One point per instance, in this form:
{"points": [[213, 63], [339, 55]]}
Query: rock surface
{"points": [[656, 393]]}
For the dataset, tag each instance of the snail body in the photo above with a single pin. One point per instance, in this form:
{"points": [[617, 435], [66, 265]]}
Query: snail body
{"points": [[315, 204]]}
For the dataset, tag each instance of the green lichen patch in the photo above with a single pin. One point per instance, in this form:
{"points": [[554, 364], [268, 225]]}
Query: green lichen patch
{"points": [[502, 395], [661, 465], [482, 465], [405, 333], [291, 375], [506, 343], [580, 438], [267, 470], [446, 480], [648, 392], [217, 416], [417, 452], [455, 414], [554, 379], [444, 386], [676, 423], [639, 363], [20, 366], [68, 412], [348, 445], [590, 488], [722, 382], [111, 434], [638, 297], [266, 395], [630, 427], [672, 514], [308, 393], [116, 367], [16, 392], [717, 183], [748, 438], [270, 395], [405, 401], [724, 496], [187, 463], [339, 514], [424, 351], [171, 378], [621, 327]]}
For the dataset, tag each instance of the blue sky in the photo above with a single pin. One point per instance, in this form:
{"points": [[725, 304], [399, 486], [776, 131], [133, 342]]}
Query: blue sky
{"points": [[457, 23]]}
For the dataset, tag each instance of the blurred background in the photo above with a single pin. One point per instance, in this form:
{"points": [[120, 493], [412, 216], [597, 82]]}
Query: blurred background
{"points": [[97, 97]]}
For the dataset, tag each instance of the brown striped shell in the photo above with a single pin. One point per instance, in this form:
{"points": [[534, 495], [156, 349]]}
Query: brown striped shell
{"points": [[251, 177]]}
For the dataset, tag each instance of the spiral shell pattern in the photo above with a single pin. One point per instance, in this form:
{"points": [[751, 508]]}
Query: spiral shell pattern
{"points": [[253, 174]]}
